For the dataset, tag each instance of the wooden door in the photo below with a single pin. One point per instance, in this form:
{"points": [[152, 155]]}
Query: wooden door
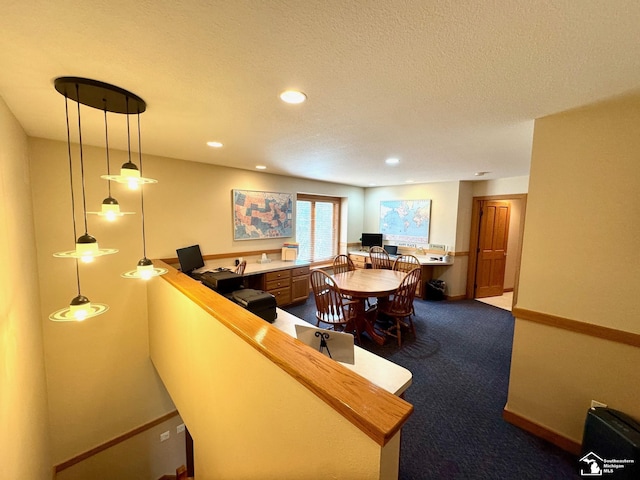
{"points": [[492, 248]]}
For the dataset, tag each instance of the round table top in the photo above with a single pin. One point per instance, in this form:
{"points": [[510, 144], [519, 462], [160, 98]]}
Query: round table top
{"points": [[369, 282]]}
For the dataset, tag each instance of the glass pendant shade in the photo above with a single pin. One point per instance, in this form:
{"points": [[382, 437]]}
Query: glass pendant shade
{"points": [[110, 209], [145, 270], [86, 250], [80, 308], [130, 175]]}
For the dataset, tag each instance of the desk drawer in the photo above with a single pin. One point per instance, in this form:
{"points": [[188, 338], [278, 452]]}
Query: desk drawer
{"points": [[296, 272], [277, 284], [359, 261], [278, 275], [283, 295]]}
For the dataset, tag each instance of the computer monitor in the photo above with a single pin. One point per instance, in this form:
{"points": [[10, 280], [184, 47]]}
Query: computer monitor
{"points": [[371, 240], [190, 258], [391, 249]]}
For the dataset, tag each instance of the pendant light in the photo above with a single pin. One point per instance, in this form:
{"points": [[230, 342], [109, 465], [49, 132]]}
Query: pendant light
{"points": [[80, 308], [86, 245], [110, 206], [129, 172], [145, 268]]}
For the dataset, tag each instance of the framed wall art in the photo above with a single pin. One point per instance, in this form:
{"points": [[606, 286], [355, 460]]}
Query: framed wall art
{"points": [[259, 215]]}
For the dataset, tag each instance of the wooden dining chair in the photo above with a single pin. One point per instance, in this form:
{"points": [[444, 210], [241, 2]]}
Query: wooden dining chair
{"points": [[332, 308], [405, 263], [240, 267], [380, 258], [342, 263], [400, 307]]}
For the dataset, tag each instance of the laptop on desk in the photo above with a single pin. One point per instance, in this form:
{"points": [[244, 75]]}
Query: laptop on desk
{"points": [[392, 250]]}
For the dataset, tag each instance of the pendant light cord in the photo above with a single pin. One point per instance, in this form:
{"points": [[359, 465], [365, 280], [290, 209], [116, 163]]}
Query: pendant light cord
{"points": [[144, 239], [73, 201], [106, 141], [84, 198], [128, 132]]}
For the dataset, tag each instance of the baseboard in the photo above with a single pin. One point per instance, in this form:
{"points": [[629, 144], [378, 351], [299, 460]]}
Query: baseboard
{"points": [[550, 436], [455, 297]]}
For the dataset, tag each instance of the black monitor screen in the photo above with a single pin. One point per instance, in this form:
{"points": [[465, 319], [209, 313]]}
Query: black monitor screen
{"points": [[391, 249], [190, 258], [371, 240]]}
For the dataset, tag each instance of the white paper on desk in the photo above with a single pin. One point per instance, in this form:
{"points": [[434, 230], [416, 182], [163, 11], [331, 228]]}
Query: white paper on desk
{"points": [[339, 345]]}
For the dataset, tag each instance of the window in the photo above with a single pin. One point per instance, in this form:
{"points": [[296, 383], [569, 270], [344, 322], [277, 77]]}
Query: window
{"points": [[317, 221]]}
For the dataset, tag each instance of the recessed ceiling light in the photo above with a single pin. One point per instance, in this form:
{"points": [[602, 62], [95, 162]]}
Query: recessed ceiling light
{"points": [[292, 96], [372, 184], [392, 161], [481, 174], [214, 144], [261, 167]]}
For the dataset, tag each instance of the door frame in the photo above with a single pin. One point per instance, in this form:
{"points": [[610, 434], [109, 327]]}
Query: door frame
{"points": [[474, 240]]}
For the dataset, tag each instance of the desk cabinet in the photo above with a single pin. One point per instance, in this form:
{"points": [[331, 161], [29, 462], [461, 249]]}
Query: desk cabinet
{"points": [[360, 261], [299, 284], [289, 286]]}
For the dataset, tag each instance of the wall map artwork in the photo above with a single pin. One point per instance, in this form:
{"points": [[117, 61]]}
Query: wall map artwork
{"points": [[258, 215], [405, 220]]}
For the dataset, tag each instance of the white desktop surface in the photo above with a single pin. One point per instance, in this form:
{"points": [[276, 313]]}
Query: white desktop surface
{"points": [[379, 371], [423, 259], [255, 268]]}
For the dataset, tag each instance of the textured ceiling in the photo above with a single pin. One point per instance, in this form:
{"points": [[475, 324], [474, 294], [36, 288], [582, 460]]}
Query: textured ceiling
{"points": [[448, 87]]}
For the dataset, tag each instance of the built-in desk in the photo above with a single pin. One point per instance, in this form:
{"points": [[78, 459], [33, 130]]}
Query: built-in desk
{"points": [[287, 281], [427, 263]]}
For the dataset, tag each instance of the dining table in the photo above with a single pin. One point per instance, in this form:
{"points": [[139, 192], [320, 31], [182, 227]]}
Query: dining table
{"points": [[361, 284]]}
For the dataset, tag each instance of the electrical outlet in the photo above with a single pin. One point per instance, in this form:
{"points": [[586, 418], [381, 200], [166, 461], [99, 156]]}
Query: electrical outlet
{"points": [[595, 403], [180, 428], [165, 436]]}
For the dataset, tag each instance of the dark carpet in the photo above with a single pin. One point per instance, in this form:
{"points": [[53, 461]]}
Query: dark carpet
{"points": [[460, 364]]}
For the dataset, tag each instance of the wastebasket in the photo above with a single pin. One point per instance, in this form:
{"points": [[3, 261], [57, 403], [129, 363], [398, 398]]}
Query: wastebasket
{"points": [[435, 290]]}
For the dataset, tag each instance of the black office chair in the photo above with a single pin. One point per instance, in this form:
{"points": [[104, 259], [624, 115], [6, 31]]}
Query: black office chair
{"points": [[241, 266]]}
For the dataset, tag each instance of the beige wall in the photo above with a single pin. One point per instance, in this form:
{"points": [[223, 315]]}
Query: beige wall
{"points": [[501, 186], [444, 206], [580, 261], [514, 243], [24, 440]]}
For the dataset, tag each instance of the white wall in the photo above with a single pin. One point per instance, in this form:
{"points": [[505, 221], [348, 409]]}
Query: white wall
{"points": [[24, 439]]}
